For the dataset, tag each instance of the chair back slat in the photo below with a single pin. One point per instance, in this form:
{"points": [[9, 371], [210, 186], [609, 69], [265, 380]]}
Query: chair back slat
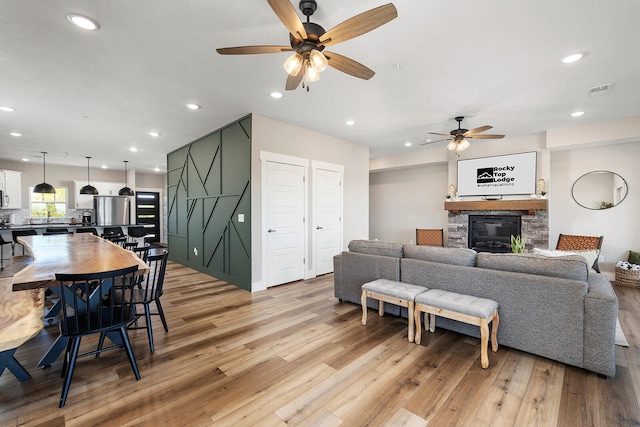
{"points": [[430, 236], [95, 302]]}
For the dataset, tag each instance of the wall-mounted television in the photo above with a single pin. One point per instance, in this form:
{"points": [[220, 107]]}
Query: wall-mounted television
{"points": [[497, 176]]}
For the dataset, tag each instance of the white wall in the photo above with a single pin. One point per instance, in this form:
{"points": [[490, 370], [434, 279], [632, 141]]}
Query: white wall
{"points": [[280, 138], [401, 200], [619, 225]]}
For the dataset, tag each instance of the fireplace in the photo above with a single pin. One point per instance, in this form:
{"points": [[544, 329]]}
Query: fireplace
{"points": [[492, 233]]}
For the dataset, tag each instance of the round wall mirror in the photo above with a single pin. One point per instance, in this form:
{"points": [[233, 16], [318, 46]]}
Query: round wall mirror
{"points": [[599, 190]]}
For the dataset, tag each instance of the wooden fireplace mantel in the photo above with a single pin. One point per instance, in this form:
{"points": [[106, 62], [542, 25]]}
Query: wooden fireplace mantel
{"points": [[530, 206]]}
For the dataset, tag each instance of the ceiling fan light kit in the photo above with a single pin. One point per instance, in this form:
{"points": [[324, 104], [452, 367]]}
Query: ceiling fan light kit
{"points": [[308, 40], [458, 137]]}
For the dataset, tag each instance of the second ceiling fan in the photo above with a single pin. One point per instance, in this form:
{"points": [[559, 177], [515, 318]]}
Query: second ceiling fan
{"points": [[459, 136], [308, 41]]}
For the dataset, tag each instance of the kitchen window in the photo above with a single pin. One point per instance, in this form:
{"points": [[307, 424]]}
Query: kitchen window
{"points": [[49, 205]]}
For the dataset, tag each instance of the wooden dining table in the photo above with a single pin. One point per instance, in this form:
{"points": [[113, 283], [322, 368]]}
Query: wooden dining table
{"points": [[80, 253]]}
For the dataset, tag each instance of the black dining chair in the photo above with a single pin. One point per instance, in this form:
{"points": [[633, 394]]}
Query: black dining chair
{"points": [[91, 230], [19, 233], [55, 230], [96, 303], [149, 292], [2, 243]]}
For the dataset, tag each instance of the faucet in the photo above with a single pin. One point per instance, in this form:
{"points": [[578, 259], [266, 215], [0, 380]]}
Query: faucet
{"points": [[48, 217]]}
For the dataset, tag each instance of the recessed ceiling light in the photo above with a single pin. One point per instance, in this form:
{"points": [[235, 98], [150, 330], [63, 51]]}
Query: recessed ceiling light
{"points": [[193, 106], [82, 21], [133, 149], [572, 58], [577, 114], [407, 144], [350, 122], [157, 169], [7, 109], [428, 140], [276, 95], [24, 159], [103, 166], [15, 134], [154, 134]]}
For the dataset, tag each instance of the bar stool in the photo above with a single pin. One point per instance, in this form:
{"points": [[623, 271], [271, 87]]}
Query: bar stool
{"points": [[20, 233]]}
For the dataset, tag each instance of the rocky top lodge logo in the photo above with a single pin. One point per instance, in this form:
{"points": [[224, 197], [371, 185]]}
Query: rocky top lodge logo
{"points": [[493, 175]]}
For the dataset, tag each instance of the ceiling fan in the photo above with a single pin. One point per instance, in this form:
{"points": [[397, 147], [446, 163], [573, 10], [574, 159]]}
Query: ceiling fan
{"points": [[459, 136], [308, 41]]}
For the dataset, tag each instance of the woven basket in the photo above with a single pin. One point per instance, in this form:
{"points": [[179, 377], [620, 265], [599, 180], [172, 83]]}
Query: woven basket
{"points": [[628, 278]]}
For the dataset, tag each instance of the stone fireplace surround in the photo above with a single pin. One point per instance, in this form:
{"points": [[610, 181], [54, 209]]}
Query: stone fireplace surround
{"points": [[534, 217]]}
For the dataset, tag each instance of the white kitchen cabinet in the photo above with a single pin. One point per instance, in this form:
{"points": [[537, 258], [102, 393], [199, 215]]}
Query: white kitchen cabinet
{"points": [[11, 186]]}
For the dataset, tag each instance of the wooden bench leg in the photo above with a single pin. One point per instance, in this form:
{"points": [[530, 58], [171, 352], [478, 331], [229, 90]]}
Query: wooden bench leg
{"points": [[484, 343], [417, 322], [411, 322], [363, 301], [494, 331]]}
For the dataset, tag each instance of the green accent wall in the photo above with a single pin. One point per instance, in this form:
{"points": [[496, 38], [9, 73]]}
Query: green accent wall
{"points": [[209, 183]]}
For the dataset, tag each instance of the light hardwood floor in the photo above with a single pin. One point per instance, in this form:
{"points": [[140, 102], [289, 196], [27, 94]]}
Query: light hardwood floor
{"points": [[294, 355]]}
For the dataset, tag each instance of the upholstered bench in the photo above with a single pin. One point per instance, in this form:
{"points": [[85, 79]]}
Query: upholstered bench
{"points": [[393, 292], [460, 307]]}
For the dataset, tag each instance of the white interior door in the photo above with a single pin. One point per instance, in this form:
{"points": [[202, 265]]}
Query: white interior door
{"points": [[327, 215], [285, 223]]}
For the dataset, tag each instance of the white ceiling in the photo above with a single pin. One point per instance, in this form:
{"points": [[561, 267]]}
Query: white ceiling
{"points": [[79, 93]]}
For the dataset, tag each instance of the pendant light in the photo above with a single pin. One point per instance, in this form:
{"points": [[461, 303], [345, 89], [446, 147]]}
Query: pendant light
{"points": [[126, 191], [44, 187], [88, 189]]}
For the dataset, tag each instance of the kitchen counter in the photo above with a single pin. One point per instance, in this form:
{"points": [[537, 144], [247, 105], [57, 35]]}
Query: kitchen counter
{"points": [[42, 225]]}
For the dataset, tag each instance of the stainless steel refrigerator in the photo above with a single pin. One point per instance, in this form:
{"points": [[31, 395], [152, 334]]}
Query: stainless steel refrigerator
{"points": [[111, 210]]}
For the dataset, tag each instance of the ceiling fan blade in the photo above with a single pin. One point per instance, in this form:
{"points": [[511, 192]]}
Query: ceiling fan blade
{"points": [[433, 142], [246, 50], [349, 66], [487, 136], [294, 81], [359, 24], [441, 134], [478, 130], [289, 17]]}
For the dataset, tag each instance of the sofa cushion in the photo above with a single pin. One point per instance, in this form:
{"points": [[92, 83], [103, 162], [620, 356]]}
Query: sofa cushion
{"points": [[375, 247], [572, 267], [445, 255]]}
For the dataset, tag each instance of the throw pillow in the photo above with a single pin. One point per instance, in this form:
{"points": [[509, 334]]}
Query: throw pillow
{"points": [[591, 255], [634, 257]]}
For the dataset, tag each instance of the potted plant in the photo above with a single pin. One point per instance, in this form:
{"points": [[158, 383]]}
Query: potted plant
{"points": [[517, 244]]}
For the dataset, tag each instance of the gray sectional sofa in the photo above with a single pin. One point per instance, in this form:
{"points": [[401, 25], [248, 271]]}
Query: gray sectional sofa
{"points": [[557, 308]]}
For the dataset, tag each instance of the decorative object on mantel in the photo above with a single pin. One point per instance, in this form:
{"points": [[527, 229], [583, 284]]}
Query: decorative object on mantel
{"points": [[541, 187], [517, 244], [452, 191]]}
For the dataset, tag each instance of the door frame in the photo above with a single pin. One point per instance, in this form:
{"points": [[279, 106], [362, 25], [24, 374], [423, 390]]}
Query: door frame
{"points": [[315, 165], [265, 157]]}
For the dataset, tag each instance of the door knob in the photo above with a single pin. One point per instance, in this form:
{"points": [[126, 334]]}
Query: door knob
{"points": [[271, 230], [318, 228]]}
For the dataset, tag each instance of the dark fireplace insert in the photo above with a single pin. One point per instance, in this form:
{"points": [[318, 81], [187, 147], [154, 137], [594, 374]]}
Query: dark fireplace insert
{"points": [[492, 233]]}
